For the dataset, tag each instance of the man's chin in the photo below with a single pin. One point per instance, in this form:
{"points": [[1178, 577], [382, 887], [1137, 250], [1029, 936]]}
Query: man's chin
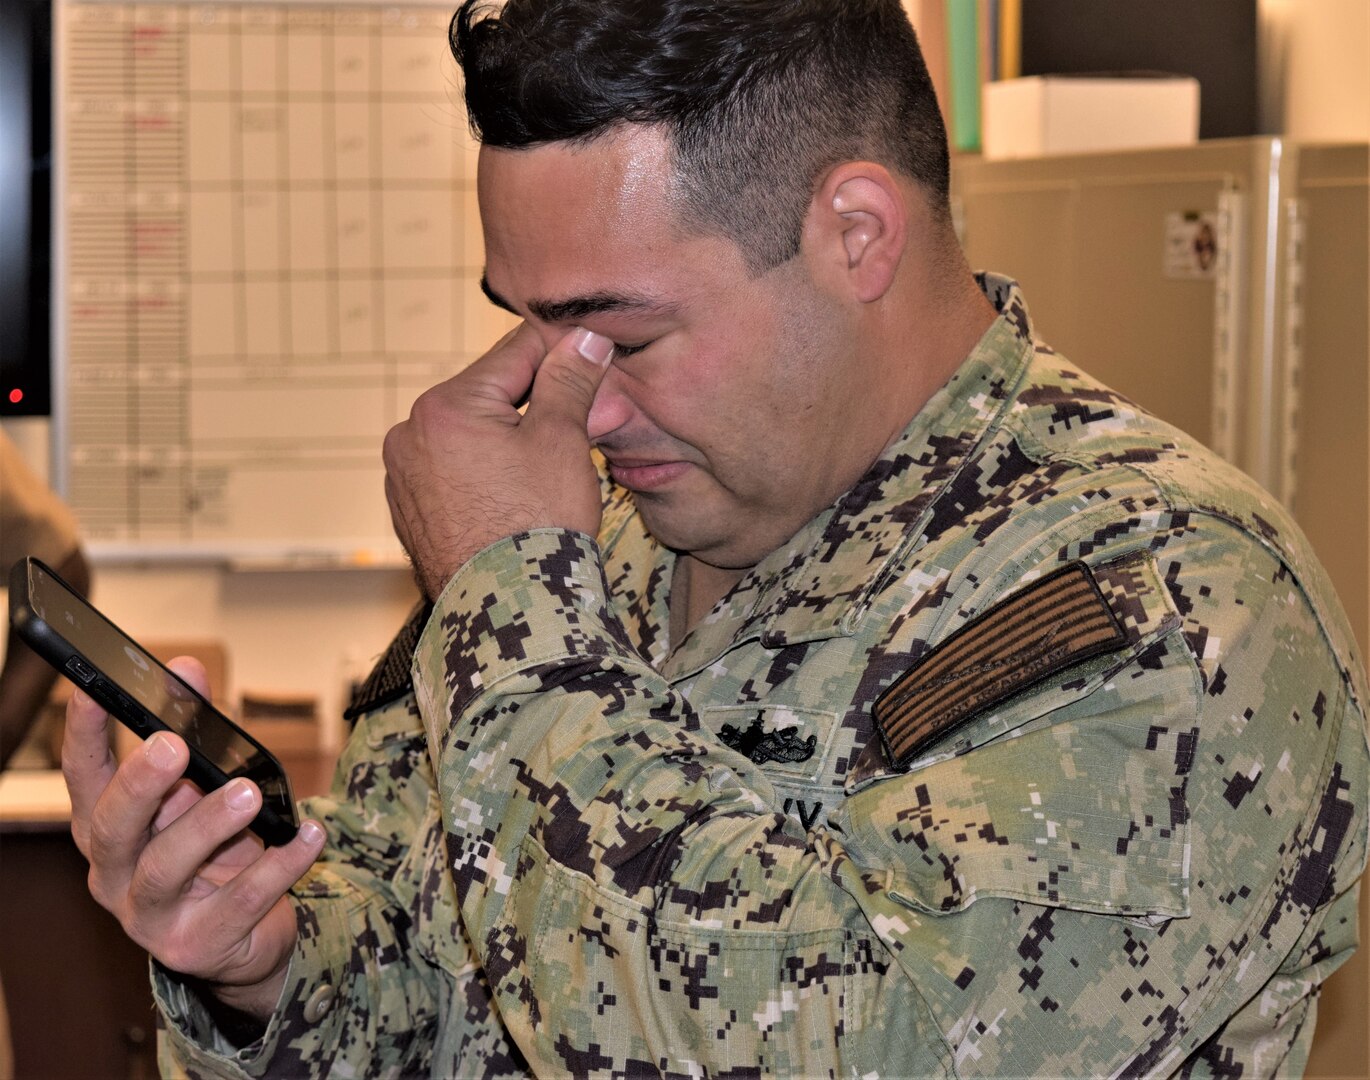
{"points": [[716, 547], [671, 523]]}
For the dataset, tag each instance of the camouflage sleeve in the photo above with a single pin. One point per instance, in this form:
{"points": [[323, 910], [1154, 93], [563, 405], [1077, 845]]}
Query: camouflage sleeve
{"points": [[1135, 853], [356, 1001]]}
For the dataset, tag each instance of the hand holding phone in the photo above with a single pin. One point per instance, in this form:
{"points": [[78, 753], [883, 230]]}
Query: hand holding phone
{"points": [[178, 868]]}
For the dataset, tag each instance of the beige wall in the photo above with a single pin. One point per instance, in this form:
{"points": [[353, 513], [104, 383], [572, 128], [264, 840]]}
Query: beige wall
{"points": [[1315, 87], [1315, 69]]}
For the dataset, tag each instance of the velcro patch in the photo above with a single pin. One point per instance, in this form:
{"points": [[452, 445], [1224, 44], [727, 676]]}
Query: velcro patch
{"points": [[1041, 629], [391, 679]]}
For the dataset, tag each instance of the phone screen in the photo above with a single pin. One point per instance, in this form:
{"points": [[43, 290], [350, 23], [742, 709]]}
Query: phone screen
{"points": [[142, 677]]}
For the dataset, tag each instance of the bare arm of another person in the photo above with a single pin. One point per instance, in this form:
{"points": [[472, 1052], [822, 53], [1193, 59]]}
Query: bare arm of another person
{"points": [[26, 677], [33, 521]]}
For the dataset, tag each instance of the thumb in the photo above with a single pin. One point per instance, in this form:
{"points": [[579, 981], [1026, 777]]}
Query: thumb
{"points": [[568, 378], [192, 671]]}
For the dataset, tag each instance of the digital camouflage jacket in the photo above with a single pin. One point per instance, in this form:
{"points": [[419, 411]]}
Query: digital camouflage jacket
{"points": [[1041, 752]]}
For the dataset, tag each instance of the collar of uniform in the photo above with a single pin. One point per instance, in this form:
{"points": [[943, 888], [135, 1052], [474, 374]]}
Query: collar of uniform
{"points": [[821, 582]]}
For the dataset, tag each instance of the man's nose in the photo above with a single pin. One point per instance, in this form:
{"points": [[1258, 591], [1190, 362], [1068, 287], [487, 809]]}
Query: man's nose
{"points": [[611, 408]]}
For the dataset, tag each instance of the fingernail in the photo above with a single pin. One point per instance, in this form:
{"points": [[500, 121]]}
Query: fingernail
{"points": [[239, 795], [311, 832], [592, 346], [159, 751]]}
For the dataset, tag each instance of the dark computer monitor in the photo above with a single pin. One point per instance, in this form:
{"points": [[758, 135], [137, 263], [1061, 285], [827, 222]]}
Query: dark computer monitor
{"points": [[25, 207]]}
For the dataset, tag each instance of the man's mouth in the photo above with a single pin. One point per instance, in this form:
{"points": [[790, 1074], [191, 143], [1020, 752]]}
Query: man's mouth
{"points": [[644, 475]]}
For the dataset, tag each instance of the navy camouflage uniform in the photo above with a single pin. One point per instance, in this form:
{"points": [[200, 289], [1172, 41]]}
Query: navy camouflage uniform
{"points": [[578, 847]]}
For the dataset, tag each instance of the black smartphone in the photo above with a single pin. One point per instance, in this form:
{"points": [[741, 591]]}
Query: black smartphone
{"points": [[71, 635]]}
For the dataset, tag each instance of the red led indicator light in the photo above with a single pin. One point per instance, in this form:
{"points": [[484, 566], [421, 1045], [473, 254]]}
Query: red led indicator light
{"points": [[16, 396]]}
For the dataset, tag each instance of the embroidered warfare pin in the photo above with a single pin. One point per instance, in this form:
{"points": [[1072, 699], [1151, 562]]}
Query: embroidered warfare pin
{"points": [[1041, 629]]}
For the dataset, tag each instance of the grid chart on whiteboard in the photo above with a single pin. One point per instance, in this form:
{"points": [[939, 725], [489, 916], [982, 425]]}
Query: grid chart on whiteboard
{"points": [[272, 247]]}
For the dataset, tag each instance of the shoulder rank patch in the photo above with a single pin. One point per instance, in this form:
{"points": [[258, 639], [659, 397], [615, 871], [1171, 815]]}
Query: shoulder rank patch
{"points": [[391, 678], [1047, 626]]}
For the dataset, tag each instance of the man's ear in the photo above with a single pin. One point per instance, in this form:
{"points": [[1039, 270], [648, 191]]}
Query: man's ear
{"points": [[857, 226]]}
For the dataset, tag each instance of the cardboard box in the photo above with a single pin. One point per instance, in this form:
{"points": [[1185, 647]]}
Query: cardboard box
{"points": [[1215, 41], [1067, 114], [285, 723]]}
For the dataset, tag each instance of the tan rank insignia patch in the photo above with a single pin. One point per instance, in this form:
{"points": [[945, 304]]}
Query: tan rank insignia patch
{"points": [[1038, 631]]}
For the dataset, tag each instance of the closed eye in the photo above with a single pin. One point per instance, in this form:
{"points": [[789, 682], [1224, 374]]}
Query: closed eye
{"points": [[629, 350]]}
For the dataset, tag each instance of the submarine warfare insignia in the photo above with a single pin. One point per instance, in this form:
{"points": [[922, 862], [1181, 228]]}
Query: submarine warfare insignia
{"points": [[762, 746]]}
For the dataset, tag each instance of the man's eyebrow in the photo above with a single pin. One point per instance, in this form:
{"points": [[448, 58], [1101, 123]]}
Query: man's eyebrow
{"points": [[575, 308], [494, 297]]}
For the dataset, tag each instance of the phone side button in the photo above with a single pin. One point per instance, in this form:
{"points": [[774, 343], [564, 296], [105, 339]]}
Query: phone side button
{"points": [[81, 671]]}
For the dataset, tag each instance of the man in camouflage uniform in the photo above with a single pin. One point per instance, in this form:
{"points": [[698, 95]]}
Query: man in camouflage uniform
{"points": [[903, 702]]}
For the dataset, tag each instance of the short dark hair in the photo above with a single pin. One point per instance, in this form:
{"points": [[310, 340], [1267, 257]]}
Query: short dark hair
{"points": [[757, 97]]}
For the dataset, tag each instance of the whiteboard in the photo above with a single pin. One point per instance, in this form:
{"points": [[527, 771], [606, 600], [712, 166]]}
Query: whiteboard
{"points": [[267, 246]]}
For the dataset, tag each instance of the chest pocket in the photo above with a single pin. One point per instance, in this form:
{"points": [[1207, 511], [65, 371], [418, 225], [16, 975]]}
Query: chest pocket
{"points": [[1072, 793]]}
